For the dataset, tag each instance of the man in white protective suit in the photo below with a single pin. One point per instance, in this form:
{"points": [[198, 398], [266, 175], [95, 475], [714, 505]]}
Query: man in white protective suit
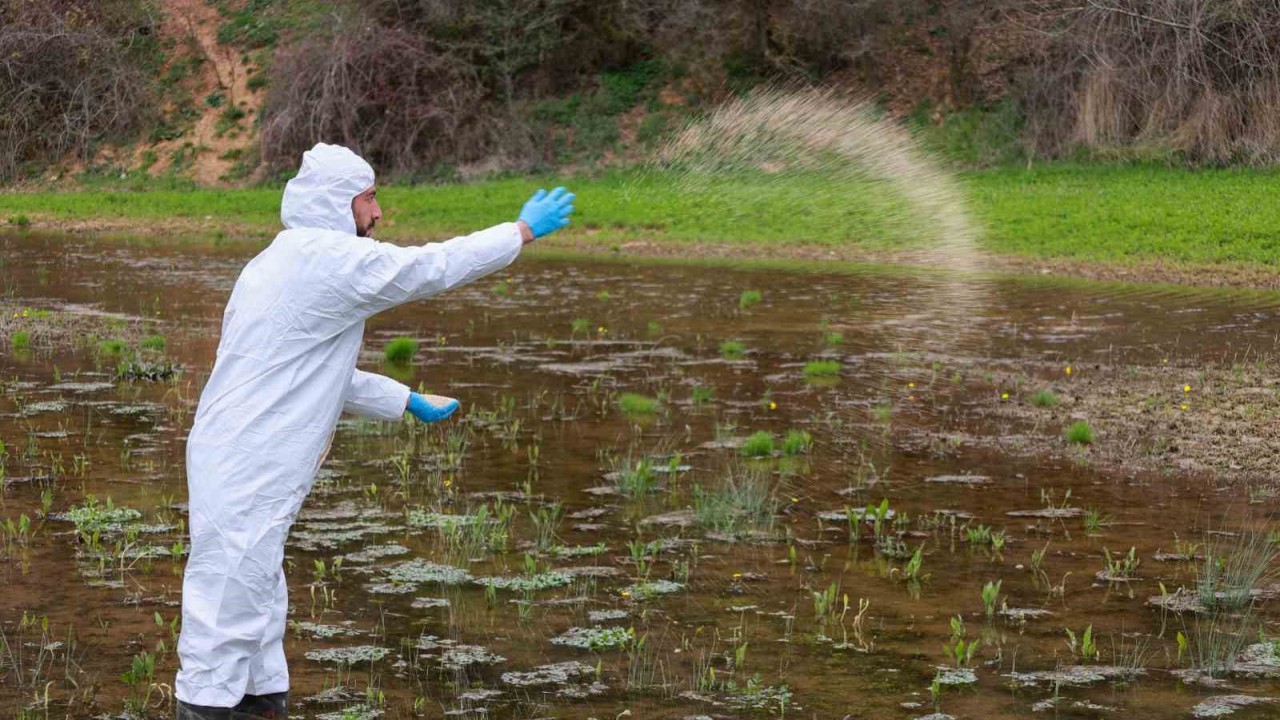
{"points": [[284, 372]]}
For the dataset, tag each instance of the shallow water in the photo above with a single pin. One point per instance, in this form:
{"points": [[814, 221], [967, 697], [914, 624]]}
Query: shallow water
{"points": [[924, 361]]}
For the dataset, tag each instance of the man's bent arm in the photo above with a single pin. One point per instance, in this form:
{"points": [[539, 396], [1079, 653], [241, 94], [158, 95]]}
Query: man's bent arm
{"points": [[375, 396]]}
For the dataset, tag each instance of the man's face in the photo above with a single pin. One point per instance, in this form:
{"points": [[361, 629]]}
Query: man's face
{"points": [[364, 207]]}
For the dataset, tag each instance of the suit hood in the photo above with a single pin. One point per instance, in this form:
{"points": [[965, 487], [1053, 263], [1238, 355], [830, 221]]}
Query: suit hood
{"points": [[320, 195]]}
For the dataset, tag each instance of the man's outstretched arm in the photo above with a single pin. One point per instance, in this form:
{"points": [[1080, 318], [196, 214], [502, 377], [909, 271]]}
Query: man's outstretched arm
{"points": [[359, 279]]}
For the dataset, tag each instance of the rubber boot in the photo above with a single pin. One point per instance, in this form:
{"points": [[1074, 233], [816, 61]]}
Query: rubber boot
{"points": [[202, 712], [262, 707]]}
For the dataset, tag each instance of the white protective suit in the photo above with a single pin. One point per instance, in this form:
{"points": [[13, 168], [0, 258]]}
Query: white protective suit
{"points": [[285, 370]]}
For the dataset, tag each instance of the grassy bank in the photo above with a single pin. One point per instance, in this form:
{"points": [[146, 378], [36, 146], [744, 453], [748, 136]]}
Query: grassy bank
{"points": [[1094, 213]]}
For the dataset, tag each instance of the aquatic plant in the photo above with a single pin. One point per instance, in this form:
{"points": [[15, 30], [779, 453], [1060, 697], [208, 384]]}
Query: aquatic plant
{"points": [[796, 442], [743, 500], [821, 368], [157, 343], [1095, 520], [112, 347], [1121, 567], [596, 638], [632, 475], [758, 445], [400, 351], [1082, 647], [733, 350], [702, 394], [546, 524], [650, 588], [825, 609], [579, 326], [20, 341], [634, 404], [832, 339], [527, 583], [958, 649], [990, 596], [91, 517], [348, 656], [914, 569], [1044, 398], [1080, 433], [22, 221], [983, 535], [749, 298]]}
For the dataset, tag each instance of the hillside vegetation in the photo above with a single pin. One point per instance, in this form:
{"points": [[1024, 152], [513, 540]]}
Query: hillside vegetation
{"points": [[230, 91]]}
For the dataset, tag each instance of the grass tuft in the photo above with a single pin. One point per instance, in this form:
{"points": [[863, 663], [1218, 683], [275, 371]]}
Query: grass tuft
{"points": [[732, 350], [1080, 433], [797, 442], [400, 351], [759, 444], [20, 340], [749, 298], [821, 368], [1044, 398], [633, 404], [157, 343]]}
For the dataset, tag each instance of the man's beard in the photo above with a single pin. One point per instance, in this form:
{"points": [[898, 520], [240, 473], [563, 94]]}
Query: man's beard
{"points": [[366, 231]]}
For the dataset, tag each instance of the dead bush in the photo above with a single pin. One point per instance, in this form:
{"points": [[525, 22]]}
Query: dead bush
{"points": [[71, 75], [391, 94], [1199, 77]]}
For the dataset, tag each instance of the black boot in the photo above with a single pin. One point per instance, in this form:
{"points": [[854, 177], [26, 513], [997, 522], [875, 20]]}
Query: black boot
{"points": [[262, 707], [202, 712]]}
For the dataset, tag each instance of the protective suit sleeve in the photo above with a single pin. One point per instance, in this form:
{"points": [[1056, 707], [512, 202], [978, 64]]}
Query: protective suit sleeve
{"points": [[375, 396], [369, 277]]}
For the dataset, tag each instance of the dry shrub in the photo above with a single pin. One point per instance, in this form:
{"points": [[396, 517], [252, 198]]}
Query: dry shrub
{"points": [[69, 77], [1201, 77], [395, 97]]}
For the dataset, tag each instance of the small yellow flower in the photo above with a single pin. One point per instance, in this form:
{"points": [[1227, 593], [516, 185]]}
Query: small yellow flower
{"points": [[911, 385], [773, 405], [602, 330], [911, 398], [1068, 369], [1186, 388], [1185, 406], [737, 575], [626, 594], [448, 483], [1004, 396], [795, 499]]}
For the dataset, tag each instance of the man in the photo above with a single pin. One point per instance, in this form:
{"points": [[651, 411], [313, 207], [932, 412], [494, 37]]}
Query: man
{"points": [[285, 370]]}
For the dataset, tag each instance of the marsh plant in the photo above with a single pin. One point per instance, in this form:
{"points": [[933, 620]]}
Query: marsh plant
{"points": [[1044, 398], [760, 444], [1231, 575], [635, 404], [400, 351], [1122, 567], [749, 298], [991, 596], [958, 648], [733, 350], [821, 369], [1095, 520], [744, 500], [632, 475], [797, 442], [1080, 433], [1083, 646]]}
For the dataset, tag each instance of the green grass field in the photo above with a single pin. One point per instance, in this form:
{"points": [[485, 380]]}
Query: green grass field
{"points": [[1116, 214]]}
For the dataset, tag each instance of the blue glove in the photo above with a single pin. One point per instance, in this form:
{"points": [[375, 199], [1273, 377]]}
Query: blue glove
{"points": [[422, 408], [546, 213]]}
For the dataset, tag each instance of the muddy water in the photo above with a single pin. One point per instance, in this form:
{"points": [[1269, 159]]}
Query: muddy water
{"points": [[920, 413]]}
